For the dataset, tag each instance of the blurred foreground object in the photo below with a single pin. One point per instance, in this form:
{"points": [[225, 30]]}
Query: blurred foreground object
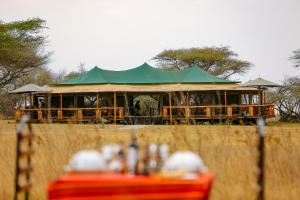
{"points": [[24, 151], [261, 158], [88, 186], [134, 173], [186, 162], [87, 161]]}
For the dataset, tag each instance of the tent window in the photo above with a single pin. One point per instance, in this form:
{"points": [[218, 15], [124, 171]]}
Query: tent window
{"points": [[255, 99], [245, 99]]}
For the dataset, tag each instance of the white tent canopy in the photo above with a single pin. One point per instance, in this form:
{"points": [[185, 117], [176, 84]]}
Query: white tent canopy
{"points": [[260, 82], [31, 88]]}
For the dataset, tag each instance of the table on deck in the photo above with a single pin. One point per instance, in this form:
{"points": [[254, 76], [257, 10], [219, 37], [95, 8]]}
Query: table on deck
{"points": [[87, 186]]}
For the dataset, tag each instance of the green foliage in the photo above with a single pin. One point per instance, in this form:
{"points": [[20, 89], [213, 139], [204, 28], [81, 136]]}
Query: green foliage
{"points": [[296, 58], [21, 49], [219, 61]]}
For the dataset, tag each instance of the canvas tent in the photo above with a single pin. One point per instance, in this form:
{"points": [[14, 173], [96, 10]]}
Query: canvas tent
{"points": [[145, 74], [188, 94]]}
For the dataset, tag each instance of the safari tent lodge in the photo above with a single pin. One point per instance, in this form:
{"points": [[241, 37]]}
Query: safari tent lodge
{"points": [[147, 95]]}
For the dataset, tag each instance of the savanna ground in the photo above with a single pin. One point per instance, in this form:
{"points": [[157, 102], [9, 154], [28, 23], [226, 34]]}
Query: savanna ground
{"points": [[228, 151]]}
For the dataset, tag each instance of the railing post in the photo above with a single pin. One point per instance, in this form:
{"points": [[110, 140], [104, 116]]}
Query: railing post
{"points": [[121, 112], [18, 115], [98, 113], [250, 111], [229, 111], [40, 115], [59, 114], [208, 112], [79, 114]]}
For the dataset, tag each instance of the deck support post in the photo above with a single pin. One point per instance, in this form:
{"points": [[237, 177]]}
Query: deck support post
{"points": [[60, 114], [98, 111], [170, 104], [115, 107], [49, 107]]}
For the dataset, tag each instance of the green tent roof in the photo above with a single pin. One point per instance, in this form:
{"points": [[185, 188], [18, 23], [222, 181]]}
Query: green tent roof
{"points": [[145, 74]]}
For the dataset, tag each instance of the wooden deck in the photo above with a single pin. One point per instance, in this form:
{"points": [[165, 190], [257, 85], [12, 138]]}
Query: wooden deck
{"points": [[168, 114]]}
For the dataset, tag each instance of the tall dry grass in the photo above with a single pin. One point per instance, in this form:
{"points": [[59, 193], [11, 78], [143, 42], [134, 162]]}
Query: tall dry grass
{"points": [[228, 151]]}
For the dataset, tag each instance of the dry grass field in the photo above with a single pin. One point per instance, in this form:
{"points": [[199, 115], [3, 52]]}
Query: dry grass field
{"points": [[228, 151]]}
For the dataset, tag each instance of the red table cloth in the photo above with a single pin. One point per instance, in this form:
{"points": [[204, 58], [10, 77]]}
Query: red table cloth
{"points": [[92, 186]]}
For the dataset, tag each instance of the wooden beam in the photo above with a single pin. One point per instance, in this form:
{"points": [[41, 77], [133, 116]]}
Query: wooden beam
{"points": [[170, 104], [115, 107]]}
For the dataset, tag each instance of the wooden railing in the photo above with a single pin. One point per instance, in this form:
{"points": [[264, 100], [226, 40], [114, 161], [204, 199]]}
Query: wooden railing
{"points": [[218, 112], [178, 112], [76, 114]]}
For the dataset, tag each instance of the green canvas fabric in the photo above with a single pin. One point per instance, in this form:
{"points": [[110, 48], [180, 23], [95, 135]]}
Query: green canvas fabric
{"points": [[145, 74]]}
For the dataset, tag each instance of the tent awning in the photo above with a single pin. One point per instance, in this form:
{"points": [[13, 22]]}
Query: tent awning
{"points": [[147, 88]]}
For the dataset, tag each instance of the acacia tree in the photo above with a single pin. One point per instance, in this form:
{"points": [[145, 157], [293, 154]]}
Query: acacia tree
{"points": [[21, 49], [287, 99], [219, 61], [73, 74], [296, 58]]}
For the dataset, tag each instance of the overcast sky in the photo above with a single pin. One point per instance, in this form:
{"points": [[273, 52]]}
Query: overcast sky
{"points": [[121, 34]]}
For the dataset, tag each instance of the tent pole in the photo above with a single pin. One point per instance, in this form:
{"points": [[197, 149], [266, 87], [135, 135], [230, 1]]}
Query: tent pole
{"points": [[31, 100], [115, 107], [97, 104], [160, 105], [49, 107], [170, 104], [25, 101], [60, 101]]}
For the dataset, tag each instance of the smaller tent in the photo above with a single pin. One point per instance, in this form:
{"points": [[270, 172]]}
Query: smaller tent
{"points": [[260, 83], [31, 88]]}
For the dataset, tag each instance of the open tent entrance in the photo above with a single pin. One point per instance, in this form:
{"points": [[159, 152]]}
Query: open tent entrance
{"points": [[146, 105]]}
